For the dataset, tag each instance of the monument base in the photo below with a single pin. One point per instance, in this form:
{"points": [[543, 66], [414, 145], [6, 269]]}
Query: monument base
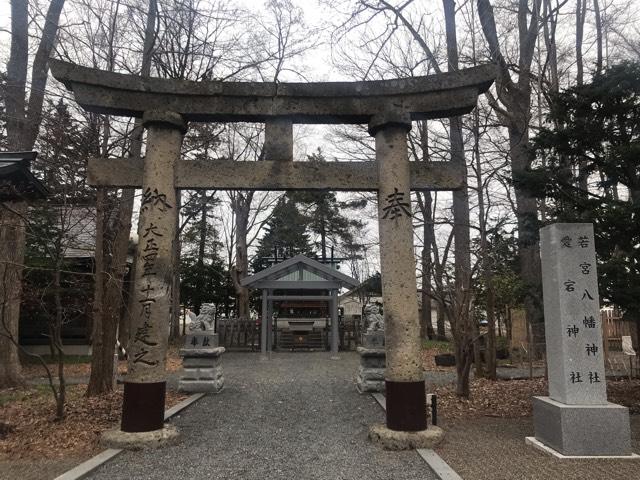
{"points": [[535, 443], [399, 440], [168, 435], [582, 430]]}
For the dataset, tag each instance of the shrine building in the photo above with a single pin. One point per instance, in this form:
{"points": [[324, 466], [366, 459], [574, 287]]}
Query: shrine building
{"points": [[300, 295]]}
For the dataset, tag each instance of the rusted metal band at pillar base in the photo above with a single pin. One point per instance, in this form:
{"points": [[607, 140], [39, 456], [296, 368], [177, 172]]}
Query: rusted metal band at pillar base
{"points": [[143, 406], [406, 406]]}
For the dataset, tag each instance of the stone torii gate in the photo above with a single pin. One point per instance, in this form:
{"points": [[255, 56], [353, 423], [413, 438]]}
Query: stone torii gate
{"points": [[166, 106]]}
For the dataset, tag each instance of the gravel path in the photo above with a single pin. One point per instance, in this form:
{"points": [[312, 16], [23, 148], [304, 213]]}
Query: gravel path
{"points": [[296, 416]]}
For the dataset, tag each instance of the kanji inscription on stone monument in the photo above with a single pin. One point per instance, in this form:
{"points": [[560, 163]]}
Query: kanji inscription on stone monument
{"points": [[572, 312], [575, 419]]}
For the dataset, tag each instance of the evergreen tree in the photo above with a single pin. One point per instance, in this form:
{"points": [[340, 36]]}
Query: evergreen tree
{"points": [[286, 233], [597, 133], [204, 277], [325, 214]]}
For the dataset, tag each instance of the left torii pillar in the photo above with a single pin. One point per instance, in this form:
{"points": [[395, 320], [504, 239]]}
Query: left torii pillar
{"points": [[145, 385]]}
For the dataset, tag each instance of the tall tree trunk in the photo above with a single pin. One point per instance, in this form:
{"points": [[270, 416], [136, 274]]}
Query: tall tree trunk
{"points": [[16, 88], [242, 206], [12, 240], [101, 370], [528, 236], [599, 36], [202, 243], [56, 337], [477, 350], [550, 24], [463, 368], [98, 296], [487, 267], [426, 323], [515, 114], [426, 204], [40, 73], [581, 13], [461, 223], [441, 332]]}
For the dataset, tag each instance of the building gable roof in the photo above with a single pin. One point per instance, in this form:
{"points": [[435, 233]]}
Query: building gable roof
{"points": [[317, 274]]}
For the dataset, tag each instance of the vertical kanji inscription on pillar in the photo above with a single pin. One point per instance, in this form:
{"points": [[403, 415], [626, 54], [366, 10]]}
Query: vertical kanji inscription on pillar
{"points": [[144, 395]]}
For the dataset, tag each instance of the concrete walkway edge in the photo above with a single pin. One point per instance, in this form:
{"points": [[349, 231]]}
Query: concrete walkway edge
{"points": [[441, 468], [94, 462]]}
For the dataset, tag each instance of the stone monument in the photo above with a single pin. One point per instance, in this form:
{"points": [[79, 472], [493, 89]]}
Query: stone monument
{"points": [[201, 354], [575, 419], [372, 353]]}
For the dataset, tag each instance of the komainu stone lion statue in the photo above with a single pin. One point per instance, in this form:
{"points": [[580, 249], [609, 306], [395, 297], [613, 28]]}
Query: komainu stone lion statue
{"points": [[206, 320], [374, 319]]}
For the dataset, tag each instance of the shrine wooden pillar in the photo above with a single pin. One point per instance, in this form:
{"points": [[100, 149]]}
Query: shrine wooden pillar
{"points": [[405, 386], [145, 385], [263, 323], [335, 330]]}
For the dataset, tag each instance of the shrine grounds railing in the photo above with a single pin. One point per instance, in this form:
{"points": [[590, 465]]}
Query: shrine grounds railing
{"points": [[241, 334]]}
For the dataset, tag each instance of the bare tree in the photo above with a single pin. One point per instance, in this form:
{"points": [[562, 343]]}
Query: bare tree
{"points": [[512, 106], [24, 115]]}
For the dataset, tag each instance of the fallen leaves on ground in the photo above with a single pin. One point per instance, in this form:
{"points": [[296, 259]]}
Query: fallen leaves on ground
{"points": [[512, 398], [33, 369], [31, 431], [625, 392], [174, 361], [429, 361], [501, 398]]}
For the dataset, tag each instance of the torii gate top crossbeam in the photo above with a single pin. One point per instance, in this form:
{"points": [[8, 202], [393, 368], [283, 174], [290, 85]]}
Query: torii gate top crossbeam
{"points": [[422, 98]]}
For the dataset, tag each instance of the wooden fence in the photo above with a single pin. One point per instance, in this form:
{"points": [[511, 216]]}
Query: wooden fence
{"points": [[238, 333], [614, 327]]}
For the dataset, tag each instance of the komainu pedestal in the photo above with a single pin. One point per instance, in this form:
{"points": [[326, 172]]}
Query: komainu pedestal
{"points": [[202, 371], [372, 364]]}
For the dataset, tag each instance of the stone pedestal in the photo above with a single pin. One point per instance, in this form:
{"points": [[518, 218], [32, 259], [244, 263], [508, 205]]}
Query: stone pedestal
{"points": [[580, 430], [167, 435], [370, 377], [202, 371], [575, 419], [401, 440]]}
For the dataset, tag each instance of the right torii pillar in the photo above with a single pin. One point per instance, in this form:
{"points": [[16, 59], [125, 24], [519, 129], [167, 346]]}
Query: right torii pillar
{"points": [[406, 404]]}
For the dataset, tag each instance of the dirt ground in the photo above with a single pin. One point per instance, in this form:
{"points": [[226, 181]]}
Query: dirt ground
{"points": [[489, 448]]}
